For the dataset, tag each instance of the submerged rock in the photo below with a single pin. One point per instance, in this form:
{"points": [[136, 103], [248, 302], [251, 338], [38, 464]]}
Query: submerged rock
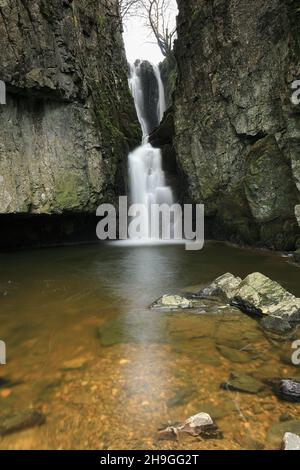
{"points": [[18, 422], [172, 302], [291, 441], [200, 424], [243, 383]]}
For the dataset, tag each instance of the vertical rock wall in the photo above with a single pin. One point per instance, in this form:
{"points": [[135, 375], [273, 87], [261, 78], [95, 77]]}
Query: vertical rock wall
{"points": [[237, 133], [69, 120]]}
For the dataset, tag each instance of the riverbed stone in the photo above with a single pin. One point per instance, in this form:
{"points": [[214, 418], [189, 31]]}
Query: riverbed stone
{"points": [[243, 383], [287, 390], [200, 424], [18, 422], [291, 441]]}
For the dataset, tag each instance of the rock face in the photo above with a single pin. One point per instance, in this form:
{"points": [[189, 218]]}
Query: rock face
{"points": [[168, 70], [69, 120], [237, 133], [150, 93]]}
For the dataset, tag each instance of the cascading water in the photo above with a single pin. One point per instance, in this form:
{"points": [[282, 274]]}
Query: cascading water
{"points": [[147, 182]]}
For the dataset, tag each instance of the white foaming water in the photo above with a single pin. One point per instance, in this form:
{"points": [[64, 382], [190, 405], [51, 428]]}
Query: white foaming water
{"points": [[147, 182]]}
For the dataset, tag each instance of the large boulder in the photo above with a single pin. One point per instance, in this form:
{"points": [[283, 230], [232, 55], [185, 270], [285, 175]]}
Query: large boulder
{"points": [[258, 295]]}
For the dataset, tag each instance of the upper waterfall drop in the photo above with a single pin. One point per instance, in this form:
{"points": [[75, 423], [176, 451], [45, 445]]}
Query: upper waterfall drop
{"points": [[147, 181], [161, 106]]}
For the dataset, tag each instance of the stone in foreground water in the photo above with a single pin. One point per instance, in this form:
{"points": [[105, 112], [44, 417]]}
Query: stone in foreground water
{"points": [[291, 441]]}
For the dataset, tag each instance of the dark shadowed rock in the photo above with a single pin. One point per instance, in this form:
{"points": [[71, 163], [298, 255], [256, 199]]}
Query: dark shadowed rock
{"points": [[276, 324], [287, 390]]}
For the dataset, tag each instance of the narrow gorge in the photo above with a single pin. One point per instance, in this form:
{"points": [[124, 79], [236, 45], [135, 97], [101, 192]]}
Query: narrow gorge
{"points": [[114, 339]]}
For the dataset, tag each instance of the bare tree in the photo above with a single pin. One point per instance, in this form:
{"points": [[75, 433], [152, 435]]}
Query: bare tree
{"points": [[127, 7], [160, 18]]}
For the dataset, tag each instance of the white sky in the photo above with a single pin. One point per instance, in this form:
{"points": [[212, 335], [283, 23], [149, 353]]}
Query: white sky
{"points": [[139, 43]]}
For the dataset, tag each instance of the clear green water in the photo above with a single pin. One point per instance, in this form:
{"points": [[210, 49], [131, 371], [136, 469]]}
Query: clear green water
{"points": [[150, 368]]}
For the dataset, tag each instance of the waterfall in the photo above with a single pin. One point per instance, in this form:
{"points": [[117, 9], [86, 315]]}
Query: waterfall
{"points": [[147, 182]]}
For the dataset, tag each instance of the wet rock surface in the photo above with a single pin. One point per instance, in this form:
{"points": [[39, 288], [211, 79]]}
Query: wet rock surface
{"points": [[170, 302]]}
